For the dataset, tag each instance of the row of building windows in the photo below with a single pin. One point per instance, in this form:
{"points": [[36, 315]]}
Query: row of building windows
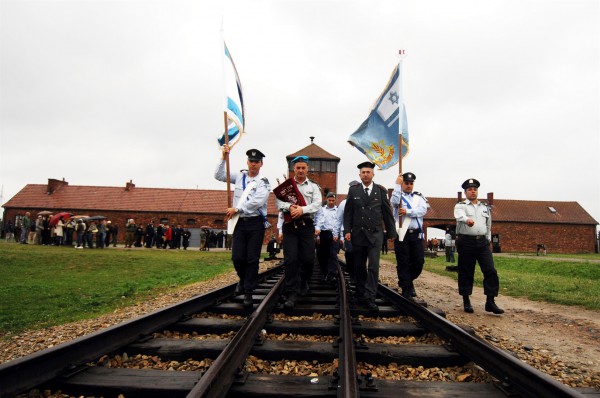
{"points": [[320, 165]]}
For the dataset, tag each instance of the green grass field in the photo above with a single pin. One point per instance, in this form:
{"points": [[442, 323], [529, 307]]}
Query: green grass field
{"points": [[46, 285], [541, 279]]}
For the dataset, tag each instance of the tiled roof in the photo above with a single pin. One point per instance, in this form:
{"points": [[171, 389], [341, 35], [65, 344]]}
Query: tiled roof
{"points": [[70, 197], [119, 199], [518, 211], [313, 151]]}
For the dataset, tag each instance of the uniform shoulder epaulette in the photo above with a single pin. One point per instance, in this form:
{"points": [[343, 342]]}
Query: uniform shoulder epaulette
{"points": [[244, 171], [421, 195], [382, 187], [265, 180]]}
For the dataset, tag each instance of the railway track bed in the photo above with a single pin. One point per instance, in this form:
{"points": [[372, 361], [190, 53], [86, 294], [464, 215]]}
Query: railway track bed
{"points": [[326, 345]]}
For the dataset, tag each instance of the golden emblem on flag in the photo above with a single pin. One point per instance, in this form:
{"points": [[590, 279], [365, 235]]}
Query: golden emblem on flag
{"points": [[379, 153]]}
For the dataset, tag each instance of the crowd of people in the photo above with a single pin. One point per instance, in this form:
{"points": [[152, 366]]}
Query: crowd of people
{"points": [[99, 232]]}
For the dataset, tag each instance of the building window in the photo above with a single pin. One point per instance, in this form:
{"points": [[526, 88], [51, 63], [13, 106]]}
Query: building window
{"points": [[552, 209], [191, 221], [218, 222], [164, 220]]}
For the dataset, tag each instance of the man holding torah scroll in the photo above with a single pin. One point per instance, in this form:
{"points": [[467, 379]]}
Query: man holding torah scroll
{"points": [[299, 199]]}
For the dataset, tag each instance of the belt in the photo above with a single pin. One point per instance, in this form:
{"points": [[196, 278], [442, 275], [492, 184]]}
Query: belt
{"points": [[248, 219], [413, 231], [475, 237]]}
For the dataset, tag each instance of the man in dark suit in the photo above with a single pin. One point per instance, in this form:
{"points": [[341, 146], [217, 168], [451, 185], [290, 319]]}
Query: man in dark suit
{"points": [[366, 215]]}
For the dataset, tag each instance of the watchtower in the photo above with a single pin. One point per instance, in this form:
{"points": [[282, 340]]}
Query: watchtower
{"points": [[322, 166]]}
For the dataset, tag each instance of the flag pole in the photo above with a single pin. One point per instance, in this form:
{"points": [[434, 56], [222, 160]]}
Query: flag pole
{"points": [[225, 121], [400, 123], [227, 160], [401, 112]]}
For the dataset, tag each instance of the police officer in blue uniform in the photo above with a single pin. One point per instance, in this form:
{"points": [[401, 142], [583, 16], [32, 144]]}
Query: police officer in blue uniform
{"points": [[249, 231], [367, 214], [410, 252], [473, 237]]}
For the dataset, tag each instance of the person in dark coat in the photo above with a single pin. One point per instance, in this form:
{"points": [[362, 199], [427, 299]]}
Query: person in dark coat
{"points": [[186, 238], [366, 215], [149, 235]]}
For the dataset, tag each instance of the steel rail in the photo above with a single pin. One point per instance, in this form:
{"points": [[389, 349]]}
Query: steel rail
{"points": [[220, 376], [510, 371], [347, 356], [22, 373]]}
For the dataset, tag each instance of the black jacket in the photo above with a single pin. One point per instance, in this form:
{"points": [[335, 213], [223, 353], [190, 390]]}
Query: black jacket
{"points": [[365, 217]]}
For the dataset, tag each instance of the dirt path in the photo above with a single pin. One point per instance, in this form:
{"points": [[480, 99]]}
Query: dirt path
{"points": [[561, 335]]}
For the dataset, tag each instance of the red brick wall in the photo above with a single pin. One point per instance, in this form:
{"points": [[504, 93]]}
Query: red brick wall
{"points": [[558, 238], [326, 180], [524, 237]]}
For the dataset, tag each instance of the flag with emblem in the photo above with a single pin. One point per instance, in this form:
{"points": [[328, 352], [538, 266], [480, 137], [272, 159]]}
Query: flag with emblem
{"points": [[234, 101], [378, 136]]}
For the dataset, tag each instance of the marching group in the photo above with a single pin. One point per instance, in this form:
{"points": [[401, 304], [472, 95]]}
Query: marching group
{"points": [[360, 224]]}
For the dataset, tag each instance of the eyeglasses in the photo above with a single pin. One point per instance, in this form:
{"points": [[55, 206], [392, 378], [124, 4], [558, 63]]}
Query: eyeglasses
{"points": [[300, 159]]}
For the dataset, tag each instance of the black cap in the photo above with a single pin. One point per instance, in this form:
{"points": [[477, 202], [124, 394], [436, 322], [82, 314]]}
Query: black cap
{"points": [[255, 154], [330, 195], [353, 183], [471, 182], [409, 177], [366, 164]]}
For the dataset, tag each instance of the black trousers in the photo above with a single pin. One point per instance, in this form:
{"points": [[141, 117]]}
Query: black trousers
{"points": [[327, 252], [247, 243], [410, 257], [471, 250], [299, 249]]}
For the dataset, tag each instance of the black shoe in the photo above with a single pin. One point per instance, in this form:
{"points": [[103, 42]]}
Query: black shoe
{"points": [[406, 294], [239, 289], [413, 292], [370, 303], [248, 300], [492, 307], [291, 301], [304, 289], [467, 305]]}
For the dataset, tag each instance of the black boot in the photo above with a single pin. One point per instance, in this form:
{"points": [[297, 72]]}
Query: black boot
{"points": [[239, 289], [467, 304], [248, 300], [490, 306], [291, 300]]}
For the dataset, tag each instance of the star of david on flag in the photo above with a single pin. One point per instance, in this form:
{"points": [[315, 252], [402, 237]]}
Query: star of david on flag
{"points": [[234, 101], [377, 137]]}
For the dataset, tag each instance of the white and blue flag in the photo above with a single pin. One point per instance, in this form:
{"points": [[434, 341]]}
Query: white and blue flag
{"points": [[377, 137], [234, 101]]}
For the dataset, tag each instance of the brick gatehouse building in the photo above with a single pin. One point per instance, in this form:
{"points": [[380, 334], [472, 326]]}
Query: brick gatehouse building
{"points": [[519, 225]]}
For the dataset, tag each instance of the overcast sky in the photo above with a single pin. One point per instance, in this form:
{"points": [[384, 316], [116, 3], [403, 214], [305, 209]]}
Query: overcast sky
{"points": [[101, 92]]}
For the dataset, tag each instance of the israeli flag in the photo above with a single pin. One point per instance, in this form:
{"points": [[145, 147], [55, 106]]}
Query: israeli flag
{"points": [[234, 101], [377, 137]]}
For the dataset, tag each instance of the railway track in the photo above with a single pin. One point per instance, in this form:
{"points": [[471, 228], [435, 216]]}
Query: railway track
{"points": [[228, 350]]}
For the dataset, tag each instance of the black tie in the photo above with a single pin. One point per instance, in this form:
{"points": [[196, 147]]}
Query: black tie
{"points": [[367, 191]]}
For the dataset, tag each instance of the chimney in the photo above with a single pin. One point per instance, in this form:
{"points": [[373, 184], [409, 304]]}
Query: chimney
{"points": [[490, 198], [129, 186], [459, 196], [54, 185]]}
